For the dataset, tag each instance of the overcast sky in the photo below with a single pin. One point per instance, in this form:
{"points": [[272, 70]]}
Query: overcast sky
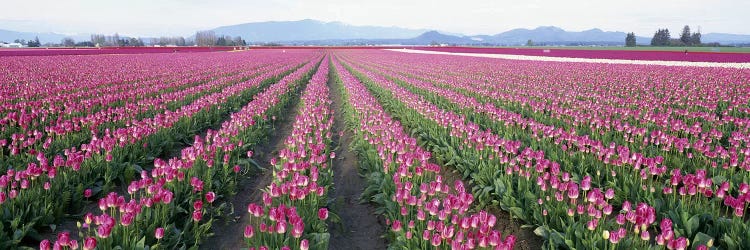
{"points": [[184, 17]]}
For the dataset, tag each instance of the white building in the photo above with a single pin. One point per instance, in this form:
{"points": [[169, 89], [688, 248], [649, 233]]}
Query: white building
{"points": [[11, 45]]}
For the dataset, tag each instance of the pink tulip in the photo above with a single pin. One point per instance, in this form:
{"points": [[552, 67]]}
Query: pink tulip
{"points": [[436, 240], [159, 233], [63, 238], [89, 243], [87, 193], [104, 231], [127, 218], [197, 215], [396, 226], [210, 196], [73, 244], [45, 245], [249, 232], [323, 213], [280, 227], [304, 244]]}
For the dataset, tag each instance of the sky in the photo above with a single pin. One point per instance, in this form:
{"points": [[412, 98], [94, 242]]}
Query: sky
{"points": [[470, 17]]}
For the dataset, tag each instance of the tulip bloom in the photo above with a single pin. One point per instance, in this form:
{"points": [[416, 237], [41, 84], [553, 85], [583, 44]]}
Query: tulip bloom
{"points": [[323, 213], [210, 197], [304, 244], [89, 243], [249, 232], [159, 233], [45, 245], [197, 215]]}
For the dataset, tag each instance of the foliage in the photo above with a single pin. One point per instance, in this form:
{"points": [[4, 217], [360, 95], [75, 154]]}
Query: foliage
{"points": [[630, 40], [661, 38]]}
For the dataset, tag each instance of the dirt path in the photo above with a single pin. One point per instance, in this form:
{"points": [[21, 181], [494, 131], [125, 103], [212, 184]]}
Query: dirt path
{"points": [[229, 234], [359, 228]]}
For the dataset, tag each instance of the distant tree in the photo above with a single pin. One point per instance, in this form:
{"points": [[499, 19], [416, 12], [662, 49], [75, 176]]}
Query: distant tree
{"points": [[205, 38], [98, 39], [180, 41], [135, 42], [661, 38], [529, 43], [685, 35], [68, 42], [34, 43], [695, 38], [238, 41], [85, 44], [221, 41], [630, 40], [116, 40], [676, 42]]}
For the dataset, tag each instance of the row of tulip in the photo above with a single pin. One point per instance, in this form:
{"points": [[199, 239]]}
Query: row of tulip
{"points": [[114, 158], [32, 80], [174, 204], [511, 177], [420, 208], [654, 135], [718, 121], [75, 99], [47, 125], [62, 134], [53, 116], [698, 184], [293, 211]]}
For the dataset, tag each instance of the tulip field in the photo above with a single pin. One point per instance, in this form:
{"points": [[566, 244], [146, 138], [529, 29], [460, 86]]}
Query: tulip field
{"points": [[241, 149]]}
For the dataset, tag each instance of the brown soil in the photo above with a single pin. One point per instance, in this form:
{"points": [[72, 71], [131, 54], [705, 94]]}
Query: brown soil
{"points": [[229, 234], [359, 227], [526, 239]]}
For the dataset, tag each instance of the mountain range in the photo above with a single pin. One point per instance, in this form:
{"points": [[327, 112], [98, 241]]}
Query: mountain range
{"points": [[313, 32]]}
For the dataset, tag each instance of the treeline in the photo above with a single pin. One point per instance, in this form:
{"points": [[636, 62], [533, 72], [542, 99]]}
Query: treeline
{"points": [[687, 38], [662, 37], [202, 38], [209, 38], [30, 43], [99, 40]]}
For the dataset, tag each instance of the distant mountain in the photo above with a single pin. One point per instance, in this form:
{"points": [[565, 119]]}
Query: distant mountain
{"points": [[725, 38], [47, 37], [437, 37], [308, 30], [336, 33], [313, 32], [555, 35]]}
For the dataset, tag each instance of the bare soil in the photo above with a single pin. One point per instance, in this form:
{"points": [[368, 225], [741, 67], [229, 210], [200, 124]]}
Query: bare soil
{"points": [[229, 234], [360, 228]]}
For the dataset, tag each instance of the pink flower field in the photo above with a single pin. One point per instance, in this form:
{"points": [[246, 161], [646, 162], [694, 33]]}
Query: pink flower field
{"points": [[340, 148]]}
